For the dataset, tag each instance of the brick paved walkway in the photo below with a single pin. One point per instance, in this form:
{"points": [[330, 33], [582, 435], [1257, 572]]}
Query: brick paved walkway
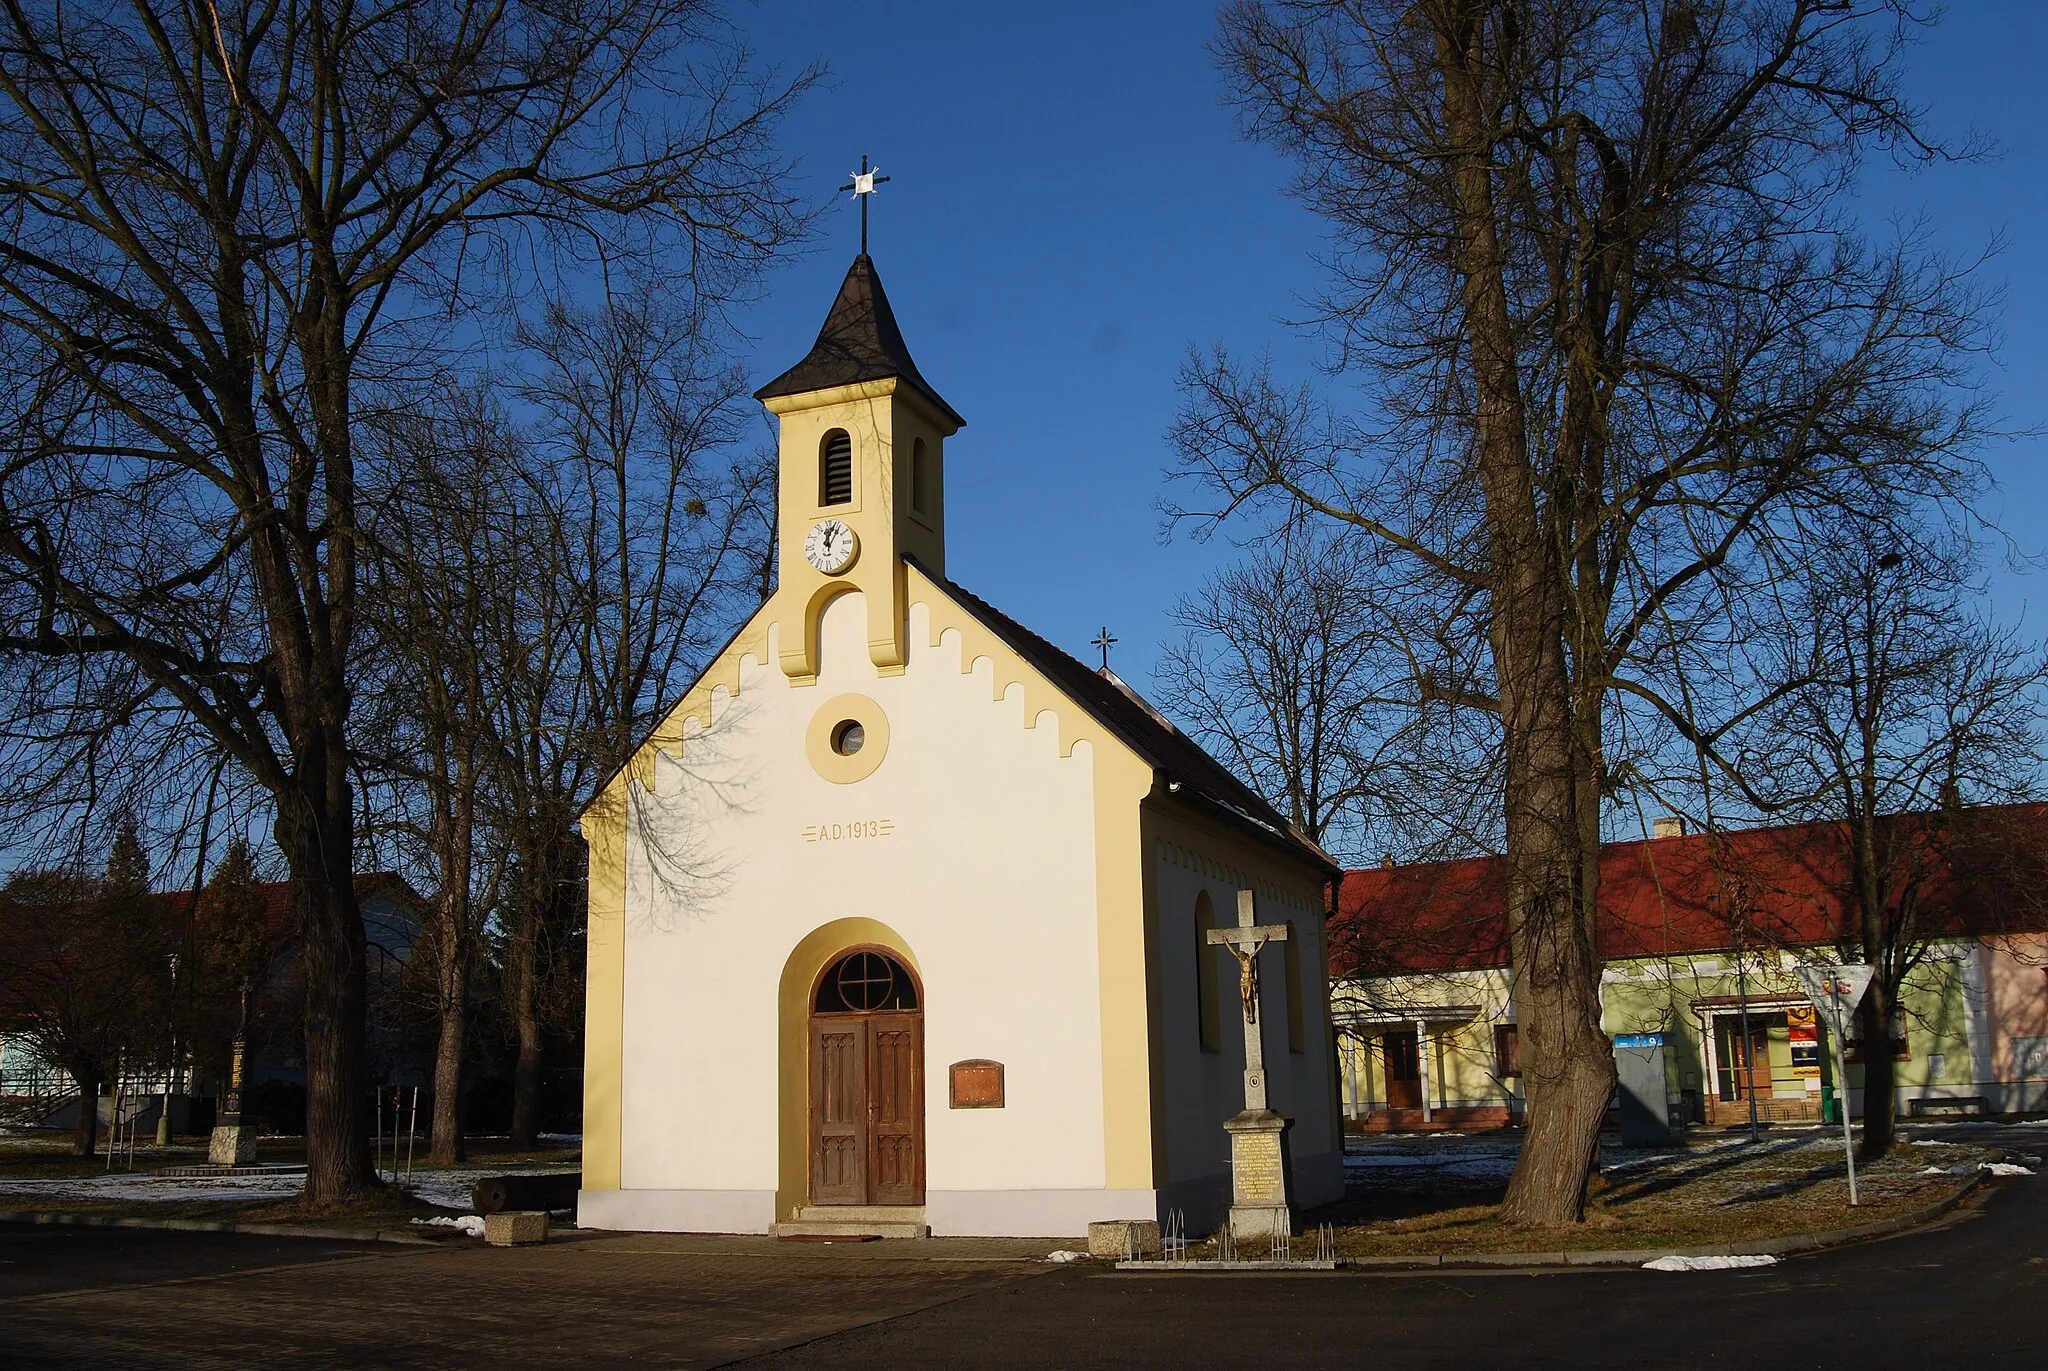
{"points": [[97, 1297]]}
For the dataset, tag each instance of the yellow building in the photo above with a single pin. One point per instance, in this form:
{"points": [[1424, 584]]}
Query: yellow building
{"points": [[896, 921]]}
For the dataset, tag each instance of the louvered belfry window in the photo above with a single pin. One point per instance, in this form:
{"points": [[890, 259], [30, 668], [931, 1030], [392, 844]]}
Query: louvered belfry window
{"points": [[835, 471]]}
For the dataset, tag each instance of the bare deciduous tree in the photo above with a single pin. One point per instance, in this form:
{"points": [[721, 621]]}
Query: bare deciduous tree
{"points": [[225, 227], [1296, 667], [1907, 712], [1612, 331]]}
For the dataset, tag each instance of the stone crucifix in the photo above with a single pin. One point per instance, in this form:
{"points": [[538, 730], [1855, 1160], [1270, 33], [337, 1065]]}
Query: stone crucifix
{"points": [[1245, 942], [1259, 1206]]}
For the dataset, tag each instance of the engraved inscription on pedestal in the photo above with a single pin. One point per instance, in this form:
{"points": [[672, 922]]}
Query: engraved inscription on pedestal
{"points": [[1255, 1162]]}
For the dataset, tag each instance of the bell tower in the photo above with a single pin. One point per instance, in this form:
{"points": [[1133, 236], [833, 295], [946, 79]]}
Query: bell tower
{"points": [[862, 454]]}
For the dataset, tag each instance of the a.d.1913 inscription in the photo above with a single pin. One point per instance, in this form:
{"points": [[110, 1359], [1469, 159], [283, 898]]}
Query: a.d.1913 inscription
{"points": [[849, 830], [977, 1084]]}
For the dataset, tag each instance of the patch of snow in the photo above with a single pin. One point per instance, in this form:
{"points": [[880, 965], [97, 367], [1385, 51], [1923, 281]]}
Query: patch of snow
{"points": [[472, 1224], [131, 1188], [1945, 1171], [1677, 1263], [2004, 1169], [1063, 1256]]}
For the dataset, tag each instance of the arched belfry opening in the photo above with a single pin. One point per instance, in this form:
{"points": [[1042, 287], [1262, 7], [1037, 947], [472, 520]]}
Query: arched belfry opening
{"points": [[867, 1082], [835, 469]]}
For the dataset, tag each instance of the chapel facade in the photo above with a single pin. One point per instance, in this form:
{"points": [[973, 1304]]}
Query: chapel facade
{"points": [[897, 920]]}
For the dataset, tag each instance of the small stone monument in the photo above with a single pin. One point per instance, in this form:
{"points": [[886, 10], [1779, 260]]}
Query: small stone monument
{"points": [[1258, 1172], [234, 1141]]}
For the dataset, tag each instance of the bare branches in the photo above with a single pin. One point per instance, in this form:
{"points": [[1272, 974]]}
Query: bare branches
{"points": [[228, 236], [1617, 345]]}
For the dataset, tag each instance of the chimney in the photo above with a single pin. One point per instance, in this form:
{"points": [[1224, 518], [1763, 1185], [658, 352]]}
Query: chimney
{"points": [[1670, 826]]}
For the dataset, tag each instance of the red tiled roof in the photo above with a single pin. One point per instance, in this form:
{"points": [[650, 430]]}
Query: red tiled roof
{"points": [[278, 915], [1986, 871]]}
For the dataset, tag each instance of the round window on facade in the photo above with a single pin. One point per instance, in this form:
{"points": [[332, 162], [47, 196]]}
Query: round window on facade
{"points": [[848, 737]]}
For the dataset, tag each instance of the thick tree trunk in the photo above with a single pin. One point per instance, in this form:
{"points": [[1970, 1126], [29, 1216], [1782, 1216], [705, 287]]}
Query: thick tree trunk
{"points": [[526, 1018], [456, 840], [336, 959], [1552, 890], [446, 1148], [1879, 1072], [1551, 784], [85, 1137]]}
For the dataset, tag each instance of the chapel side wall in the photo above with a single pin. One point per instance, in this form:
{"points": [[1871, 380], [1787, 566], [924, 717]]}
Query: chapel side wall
{"points": [[995, 903], [1202, 1088]]}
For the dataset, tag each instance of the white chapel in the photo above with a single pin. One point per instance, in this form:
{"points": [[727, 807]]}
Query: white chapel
{"points": [[897, 920]]}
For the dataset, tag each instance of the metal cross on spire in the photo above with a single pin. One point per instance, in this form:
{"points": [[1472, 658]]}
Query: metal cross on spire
{"points": [[863, 186], [1105, 642]]}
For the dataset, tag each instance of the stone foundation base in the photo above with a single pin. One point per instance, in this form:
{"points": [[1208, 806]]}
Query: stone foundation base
{"points": [[232, 1145]]}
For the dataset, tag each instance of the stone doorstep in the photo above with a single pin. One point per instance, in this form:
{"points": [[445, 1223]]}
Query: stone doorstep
{"points": [[854, 1220], [812, 1228]]}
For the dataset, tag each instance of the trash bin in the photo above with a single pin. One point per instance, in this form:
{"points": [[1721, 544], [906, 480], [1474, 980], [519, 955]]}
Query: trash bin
{"points": [[1827, 1104]]}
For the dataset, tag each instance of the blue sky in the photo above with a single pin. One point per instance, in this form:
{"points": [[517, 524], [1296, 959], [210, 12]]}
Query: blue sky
{"points": [[1071, 207]]}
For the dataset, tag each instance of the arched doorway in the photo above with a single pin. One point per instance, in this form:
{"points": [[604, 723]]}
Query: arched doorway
{"points": [[867, 1082]]}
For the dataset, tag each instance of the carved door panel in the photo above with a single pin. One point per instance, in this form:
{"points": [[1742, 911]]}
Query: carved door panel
{"points": [[839, 1111], [896, 1109], [1404, 1070]]}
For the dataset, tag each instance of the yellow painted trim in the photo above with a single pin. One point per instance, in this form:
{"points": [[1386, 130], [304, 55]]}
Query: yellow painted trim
{"points": [[799, 650], [818, 739], [723, 672], [604, 1004], [807, 961]]}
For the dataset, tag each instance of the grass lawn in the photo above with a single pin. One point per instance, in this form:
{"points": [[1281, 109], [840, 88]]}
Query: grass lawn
{"points": [[1721, 1191], [38, 1172]]}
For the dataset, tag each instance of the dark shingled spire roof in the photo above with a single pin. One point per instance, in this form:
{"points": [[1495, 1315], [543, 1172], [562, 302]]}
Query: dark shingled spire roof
{"points": [[860, 342]]}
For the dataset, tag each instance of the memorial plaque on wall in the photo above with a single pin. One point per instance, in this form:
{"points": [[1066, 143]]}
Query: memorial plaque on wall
{"points": [[977, 1084]]}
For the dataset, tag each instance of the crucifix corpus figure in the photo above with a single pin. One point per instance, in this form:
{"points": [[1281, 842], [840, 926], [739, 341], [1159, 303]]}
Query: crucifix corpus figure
{"points": [[1258, 1202], [1245, 943]]}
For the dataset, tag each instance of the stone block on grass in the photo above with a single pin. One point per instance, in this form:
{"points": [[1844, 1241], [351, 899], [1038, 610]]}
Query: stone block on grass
{"points": [[516, 1227], [1121, 1238]]}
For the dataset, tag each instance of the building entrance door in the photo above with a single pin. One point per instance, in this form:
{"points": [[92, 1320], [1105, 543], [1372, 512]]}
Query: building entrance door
{"points": [[867, 1083], [1746, 1065], [1404, 1069]]}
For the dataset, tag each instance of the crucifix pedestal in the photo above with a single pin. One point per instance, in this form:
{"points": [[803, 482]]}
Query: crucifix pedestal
{"points": [[1259, 1205], [234, 1141]]}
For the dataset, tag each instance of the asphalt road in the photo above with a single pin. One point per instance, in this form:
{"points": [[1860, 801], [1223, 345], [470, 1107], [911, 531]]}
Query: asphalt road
{"points": [[1972, 1290]]}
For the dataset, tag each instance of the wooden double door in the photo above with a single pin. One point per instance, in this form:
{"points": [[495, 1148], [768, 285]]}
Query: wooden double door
{"points": [[867, 1084], [1402, 1053]]}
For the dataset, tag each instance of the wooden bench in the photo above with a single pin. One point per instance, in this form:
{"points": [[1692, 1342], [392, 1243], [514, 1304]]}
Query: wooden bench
{"points": [[1948, 1104]]}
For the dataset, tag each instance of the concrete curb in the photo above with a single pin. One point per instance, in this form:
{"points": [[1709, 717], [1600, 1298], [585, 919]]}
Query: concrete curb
{"points": [[1763, 1247], [267, 1230]]}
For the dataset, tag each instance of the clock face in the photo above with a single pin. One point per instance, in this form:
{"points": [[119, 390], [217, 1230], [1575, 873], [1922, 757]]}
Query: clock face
{"points": [[831, 546]]}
